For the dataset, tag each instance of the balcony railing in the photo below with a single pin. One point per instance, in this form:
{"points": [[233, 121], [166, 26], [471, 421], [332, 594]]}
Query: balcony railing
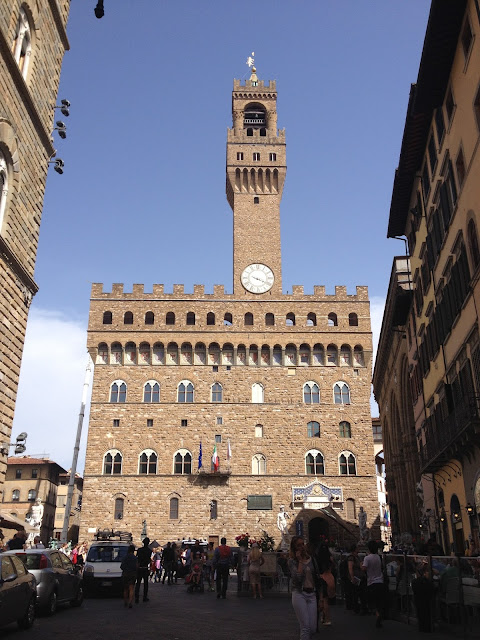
{"points": [[452, 437]]}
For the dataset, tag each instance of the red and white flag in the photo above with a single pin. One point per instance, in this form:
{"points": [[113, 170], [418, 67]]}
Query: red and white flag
{"points": [[229, 451], [215, 460]]}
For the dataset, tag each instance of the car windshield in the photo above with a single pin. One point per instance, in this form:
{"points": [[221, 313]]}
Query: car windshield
{"points": [[107, 553]]}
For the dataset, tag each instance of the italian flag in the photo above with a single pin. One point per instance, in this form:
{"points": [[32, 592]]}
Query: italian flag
{"points": [[215, 460]]}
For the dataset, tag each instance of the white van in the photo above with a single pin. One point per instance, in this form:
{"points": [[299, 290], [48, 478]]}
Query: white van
{"points": [[102, 567]]}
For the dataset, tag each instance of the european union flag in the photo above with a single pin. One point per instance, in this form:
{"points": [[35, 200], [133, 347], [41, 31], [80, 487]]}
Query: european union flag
{"points": [[200, 457]]}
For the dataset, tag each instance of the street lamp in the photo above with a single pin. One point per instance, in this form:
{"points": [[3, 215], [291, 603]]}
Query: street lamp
{"points": [[20, 446]]}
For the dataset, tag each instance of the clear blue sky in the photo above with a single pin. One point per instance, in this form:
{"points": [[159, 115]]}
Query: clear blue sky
{"points": [[142, 198]]}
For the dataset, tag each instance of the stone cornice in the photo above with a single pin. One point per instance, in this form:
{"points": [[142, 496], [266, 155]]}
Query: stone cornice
{"points": [[16, 266], [59, 23], [24, 91]]}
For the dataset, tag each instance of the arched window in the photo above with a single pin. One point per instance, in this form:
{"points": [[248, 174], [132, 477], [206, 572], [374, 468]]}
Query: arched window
{"points": [[128, 317], [241, 354], [147, 462], [311, 320], [130, 353], [118, 391], [345, 429], [318, 355], [269, 320], [172, 353], [250, 131], [107, 317], [290, 320], [227, 354], [182, 462], [15, 495], [350, 508], [144, 353], [290, 355], [217, 392], [259, 431], [170, 318], [149, 317], [332, 320], [214, 353], [158, 353], [257, 392], [22, 47], [3, 187], [210, 318], [253, 355], [304, 355], [190, 318], [265, 355], [311, 393], [112, 463], [228, 320], [353, 320], [102, 353], [358, 359], [213, 509], [347, 464], [151, 391], [173, 508], [314, 465], [249, 319], [32, 495], [345, 355], [185, 391], [277, 355], [186, 353], [118, 509], [200, 353], [313, 429], [332, 355], [259, 464], [116, 353], [341, 393], [472, 238]]}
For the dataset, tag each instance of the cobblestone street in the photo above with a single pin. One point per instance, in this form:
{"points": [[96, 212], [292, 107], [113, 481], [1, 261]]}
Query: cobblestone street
{"points": [[172, 614]]}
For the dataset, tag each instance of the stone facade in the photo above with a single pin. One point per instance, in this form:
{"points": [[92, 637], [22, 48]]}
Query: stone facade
{"points": [[32, 44], [264, 376]]}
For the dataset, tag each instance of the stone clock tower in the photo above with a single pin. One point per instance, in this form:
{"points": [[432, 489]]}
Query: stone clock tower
{"points": [[256, 168]]}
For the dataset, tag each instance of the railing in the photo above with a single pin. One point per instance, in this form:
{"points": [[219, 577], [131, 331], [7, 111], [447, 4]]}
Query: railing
{"points": [[440, 436], [254, 120]]}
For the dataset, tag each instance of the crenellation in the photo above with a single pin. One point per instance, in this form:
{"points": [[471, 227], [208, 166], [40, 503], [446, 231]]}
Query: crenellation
{"points": [[297, 290], [138, 290], [218, 290], [178, 290], [198, 290], [117, 289], [341, 292]]}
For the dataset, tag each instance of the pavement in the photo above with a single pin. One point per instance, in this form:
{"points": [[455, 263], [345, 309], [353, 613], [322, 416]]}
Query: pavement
{"points": [[174, 614]]}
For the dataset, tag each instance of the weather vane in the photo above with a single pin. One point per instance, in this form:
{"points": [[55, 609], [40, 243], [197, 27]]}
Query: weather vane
{"points": [[251, 60]]}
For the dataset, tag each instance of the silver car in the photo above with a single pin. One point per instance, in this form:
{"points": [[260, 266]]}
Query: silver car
{"points": [[58, 581]]}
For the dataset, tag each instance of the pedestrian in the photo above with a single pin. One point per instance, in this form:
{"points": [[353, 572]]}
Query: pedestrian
{"points": [[372, 565], [304, 600], [222, 561], [129, 567], [143, 556], [255, 560], [37, 543], [358, 583], [18, 541], [168, 559], [209, 565], [323, 562]]}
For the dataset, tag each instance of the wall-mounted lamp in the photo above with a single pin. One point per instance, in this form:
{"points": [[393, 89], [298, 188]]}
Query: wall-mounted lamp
{"points": [[61, 128], [20, 446], [442, 516], [64, 107], [470, 509], [58, 165]]}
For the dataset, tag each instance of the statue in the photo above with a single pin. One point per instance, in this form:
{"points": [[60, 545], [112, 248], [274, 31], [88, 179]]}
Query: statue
{"points": [[282, 525], [362, 524], [36, 515]]}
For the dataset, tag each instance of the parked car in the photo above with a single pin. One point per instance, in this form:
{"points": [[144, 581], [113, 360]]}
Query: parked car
{"points": [[58, 581], [102, 571], [18, 592]]}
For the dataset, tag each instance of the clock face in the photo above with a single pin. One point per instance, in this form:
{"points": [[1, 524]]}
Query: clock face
{"points": [[257, 278]]}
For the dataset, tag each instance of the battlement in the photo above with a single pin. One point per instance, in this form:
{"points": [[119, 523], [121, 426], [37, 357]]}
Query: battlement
{"points": [[158, 293], [259, 87]]}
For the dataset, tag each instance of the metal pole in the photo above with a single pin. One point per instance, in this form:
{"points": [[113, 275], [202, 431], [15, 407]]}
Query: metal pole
{"points": [[71, 482]]}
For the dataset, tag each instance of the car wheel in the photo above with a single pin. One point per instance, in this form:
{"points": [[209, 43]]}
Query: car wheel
{"points": [[52, 604], [27, 620], [77, 601]]}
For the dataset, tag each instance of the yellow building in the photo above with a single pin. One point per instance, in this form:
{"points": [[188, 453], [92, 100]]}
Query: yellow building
{"points": [[436, 205]]}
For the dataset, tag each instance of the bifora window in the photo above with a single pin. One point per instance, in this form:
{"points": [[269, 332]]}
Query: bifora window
{"points": [[347, 464], [182, 462], [314, 463], [112, 463], [259, 464], [311, 393], [151, 392], [147, 463], [118, 391], [185, 391], [341, 393]]}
